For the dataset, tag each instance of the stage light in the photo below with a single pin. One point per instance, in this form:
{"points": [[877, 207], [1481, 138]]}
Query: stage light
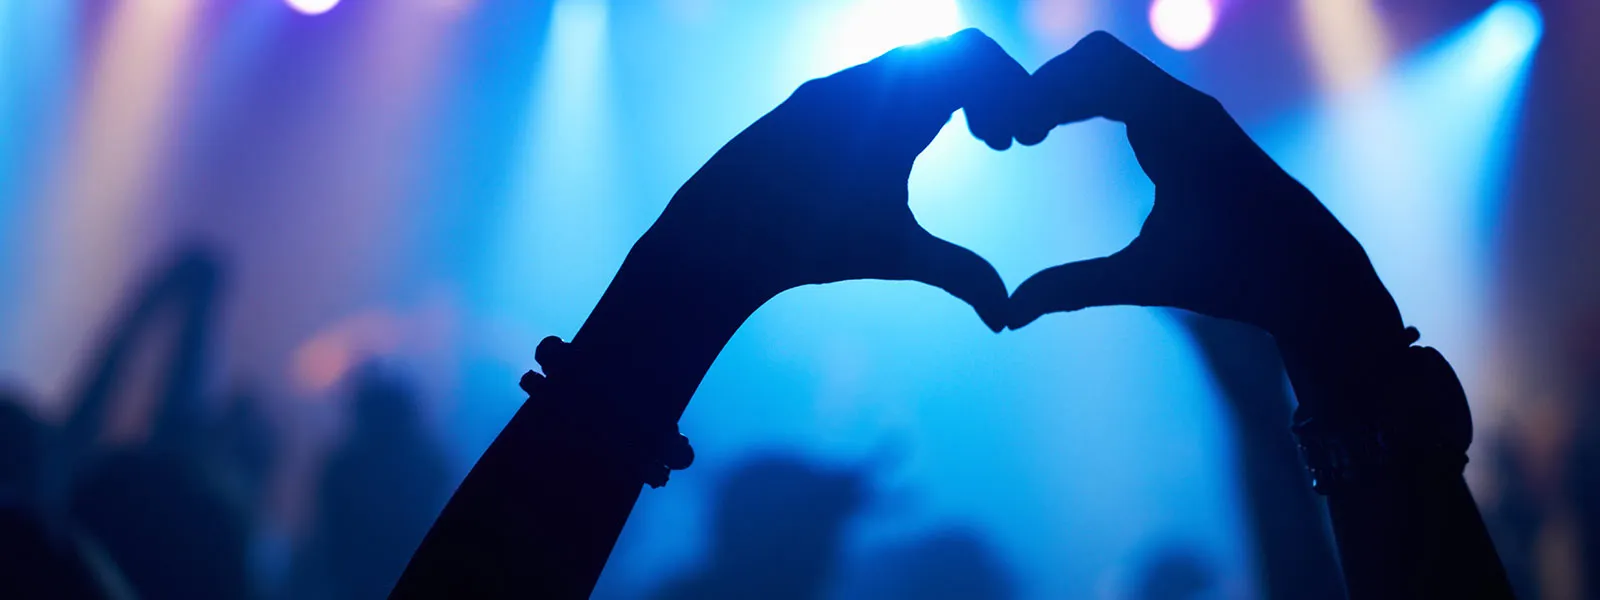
{"points": [[1505, 35], [1183, 24], [1417, 166], [102, 188], [566, 151], [312, 7], [1347, 41]]}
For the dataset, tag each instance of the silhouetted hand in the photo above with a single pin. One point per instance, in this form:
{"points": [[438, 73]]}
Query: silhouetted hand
{"points": [[815, 191], [1230, 235]]}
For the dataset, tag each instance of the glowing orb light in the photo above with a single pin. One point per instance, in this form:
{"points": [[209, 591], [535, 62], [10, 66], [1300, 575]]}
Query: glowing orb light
{"points": [[1183, 24], [312, 7]]}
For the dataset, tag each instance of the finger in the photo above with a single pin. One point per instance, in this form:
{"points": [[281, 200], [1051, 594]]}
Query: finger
{"points": [[959, 271], [1036, 113], [997, 90], [1107, 281], [1032, 137], [921, 85], [1169, 123], [1102, 77]]}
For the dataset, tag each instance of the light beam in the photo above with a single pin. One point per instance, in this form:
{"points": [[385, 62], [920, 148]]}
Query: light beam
{"points": [[1349, 45], [1416, 168], [562, 202], [867, 28]]}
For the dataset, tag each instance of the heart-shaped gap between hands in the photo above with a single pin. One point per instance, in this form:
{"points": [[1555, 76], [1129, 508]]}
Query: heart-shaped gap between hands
{"points": [[1230, 235], [816, 192]]}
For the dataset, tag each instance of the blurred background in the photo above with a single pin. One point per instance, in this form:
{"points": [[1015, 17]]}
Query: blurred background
{"points": [[270, 271]]}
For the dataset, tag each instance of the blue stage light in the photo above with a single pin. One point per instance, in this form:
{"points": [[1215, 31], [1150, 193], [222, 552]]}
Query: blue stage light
{"points": [[1417, 167], [1505, 35]]}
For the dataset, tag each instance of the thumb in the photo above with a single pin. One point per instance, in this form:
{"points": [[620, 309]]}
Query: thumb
{"points": [[959, 271], [1107, 281]]}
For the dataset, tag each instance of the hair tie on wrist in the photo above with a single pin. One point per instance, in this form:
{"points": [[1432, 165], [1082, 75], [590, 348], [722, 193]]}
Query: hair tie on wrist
{"points": [[1415, 423], [650, 450]]}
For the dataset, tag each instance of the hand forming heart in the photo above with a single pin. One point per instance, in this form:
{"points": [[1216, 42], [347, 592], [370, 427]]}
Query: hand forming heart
{"points": [[815, 192], [1231, 235]]}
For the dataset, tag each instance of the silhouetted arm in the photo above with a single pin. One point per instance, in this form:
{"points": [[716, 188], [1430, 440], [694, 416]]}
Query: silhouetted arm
{"points": [[92, 393], [814, 192], [1406, 523], [194, 285], [1231, 235], [190, 283], [537, 516]]}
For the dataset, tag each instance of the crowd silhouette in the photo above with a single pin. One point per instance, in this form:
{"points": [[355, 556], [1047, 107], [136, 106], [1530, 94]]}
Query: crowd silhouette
{"points": [[777, 532], [780, 527], [377, 494], [812, 193], [176, 513], [944, 564]]}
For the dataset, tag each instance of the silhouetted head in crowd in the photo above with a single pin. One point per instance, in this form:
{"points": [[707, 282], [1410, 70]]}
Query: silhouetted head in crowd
{"points": [[781, 508], [244, 438], [949, 564], [776, 531], [380, 490], [384, 403], [1176, 573]]}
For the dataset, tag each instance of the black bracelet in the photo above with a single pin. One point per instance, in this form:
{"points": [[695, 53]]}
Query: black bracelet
{"points": [[651, 451], [1418, 425]]}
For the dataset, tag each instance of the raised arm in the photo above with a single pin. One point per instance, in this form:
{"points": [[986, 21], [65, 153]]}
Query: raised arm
{"points": [[1383, 425], [814, 192], [188, 286]]}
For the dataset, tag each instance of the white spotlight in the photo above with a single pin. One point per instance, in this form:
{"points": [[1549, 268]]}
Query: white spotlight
{"points": [[312, 7], [867, 28], [1183, 24]]}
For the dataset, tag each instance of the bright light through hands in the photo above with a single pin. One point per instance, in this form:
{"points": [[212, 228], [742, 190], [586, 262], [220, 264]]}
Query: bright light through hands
{"points": [[864, 29]]}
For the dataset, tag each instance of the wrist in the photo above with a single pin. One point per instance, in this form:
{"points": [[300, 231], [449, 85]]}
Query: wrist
{"points": [[1338, 372], [1381, 415], [1339, 352]]}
